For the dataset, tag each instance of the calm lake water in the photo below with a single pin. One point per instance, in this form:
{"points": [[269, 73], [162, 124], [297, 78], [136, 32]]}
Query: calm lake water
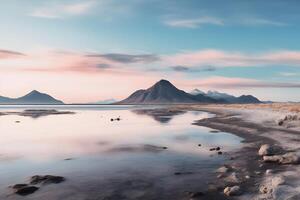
{"points": [[103, 159]]}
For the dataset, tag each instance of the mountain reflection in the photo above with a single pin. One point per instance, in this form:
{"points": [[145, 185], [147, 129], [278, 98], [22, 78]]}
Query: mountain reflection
{"points": [[161, 115]]}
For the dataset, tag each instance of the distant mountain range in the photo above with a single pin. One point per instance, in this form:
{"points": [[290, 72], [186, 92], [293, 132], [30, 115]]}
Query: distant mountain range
{"points": [[164, 92], [34, 97], [227, 98], [105, 101]]}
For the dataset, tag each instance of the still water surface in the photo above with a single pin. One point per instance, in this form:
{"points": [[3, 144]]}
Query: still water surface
{"points": [[103, 159]]}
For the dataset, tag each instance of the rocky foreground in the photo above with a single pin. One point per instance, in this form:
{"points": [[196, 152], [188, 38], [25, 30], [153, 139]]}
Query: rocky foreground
{"points": [[268, 165]]}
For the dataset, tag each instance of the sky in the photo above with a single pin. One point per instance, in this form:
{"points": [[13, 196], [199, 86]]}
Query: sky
{"points": [[83, 51]]}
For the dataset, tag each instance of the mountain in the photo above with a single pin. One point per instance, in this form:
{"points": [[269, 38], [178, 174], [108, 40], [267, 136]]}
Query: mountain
{"points": [[219, 95], [196, 92], [247, 99], [230, 98], [105, 101], [34, 97], [164, 92]]}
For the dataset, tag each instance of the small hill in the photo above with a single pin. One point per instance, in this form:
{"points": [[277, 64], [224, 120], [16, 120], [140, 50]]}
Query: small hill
{"points": [[34, 97]]}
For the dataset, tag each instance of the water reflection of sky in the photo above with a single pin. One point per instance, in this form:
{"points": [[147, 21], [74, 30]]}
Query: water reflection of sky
{"points": [[133, 144]]}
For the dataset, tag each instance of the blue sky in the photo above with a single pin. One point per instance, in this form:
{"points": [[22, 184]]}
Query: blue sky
{"points": [[235, 46]]}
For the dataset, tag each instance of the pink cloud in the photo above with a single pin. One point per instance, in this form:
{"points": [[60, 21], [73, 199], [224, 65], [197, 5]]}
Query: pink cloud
{"points": [[219, 58], [4, 54], [226, 82]]}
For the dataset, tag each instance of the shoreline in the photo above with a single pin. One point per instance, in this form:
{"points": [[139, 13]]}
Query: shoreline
{"points": [[246, 162]]}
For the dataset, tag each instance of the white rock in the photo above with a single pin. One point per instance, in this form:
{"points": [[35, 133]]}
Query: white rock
{"points": [[288, 158], [232, 191], [265, 189], [277, 180], [269, 171], [223, 169], [266, 150]]}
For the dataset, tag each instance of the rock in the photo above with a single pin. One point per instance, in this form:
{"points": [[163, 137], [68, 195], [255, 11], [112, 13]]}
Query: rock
{"points": [[212, 149], [266, 150], [24, 189], [165, 147], [271, 184], [195, 194], [17, 121], [67, 159], [232, 178], [18, 186], [265, 190], [269, 171], [247, 177], [221, 176], [232, 191], [277, 180], [288, 158], [271, 158], [47, 179], [199, 145], [218, 149], [220, 152], [182, 173], [223, 169], [280, 122]]}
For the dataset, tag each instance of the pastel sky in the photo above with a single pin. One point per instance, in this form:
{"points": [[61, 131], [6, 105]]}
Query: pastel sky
{"points": [[88, 50]]}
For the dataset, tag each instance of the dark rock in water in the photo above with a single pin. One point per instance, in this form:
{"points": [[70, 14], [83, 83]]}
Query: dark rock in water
{"points": [[116, 119], [199, 145], [280, 123], [182, 173], [18, 186], [17, 121], [220, 152], [165, 147], [214, 131], [24, 189], [66, 159], [195, 194], [47, 179], [212, 149], [218, 149]]}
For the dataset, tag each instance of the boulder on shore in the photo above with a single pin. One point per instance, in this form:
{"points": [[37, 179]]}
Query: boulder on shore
{"points": [[288, 158], [266, 150], [232, 191]]}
